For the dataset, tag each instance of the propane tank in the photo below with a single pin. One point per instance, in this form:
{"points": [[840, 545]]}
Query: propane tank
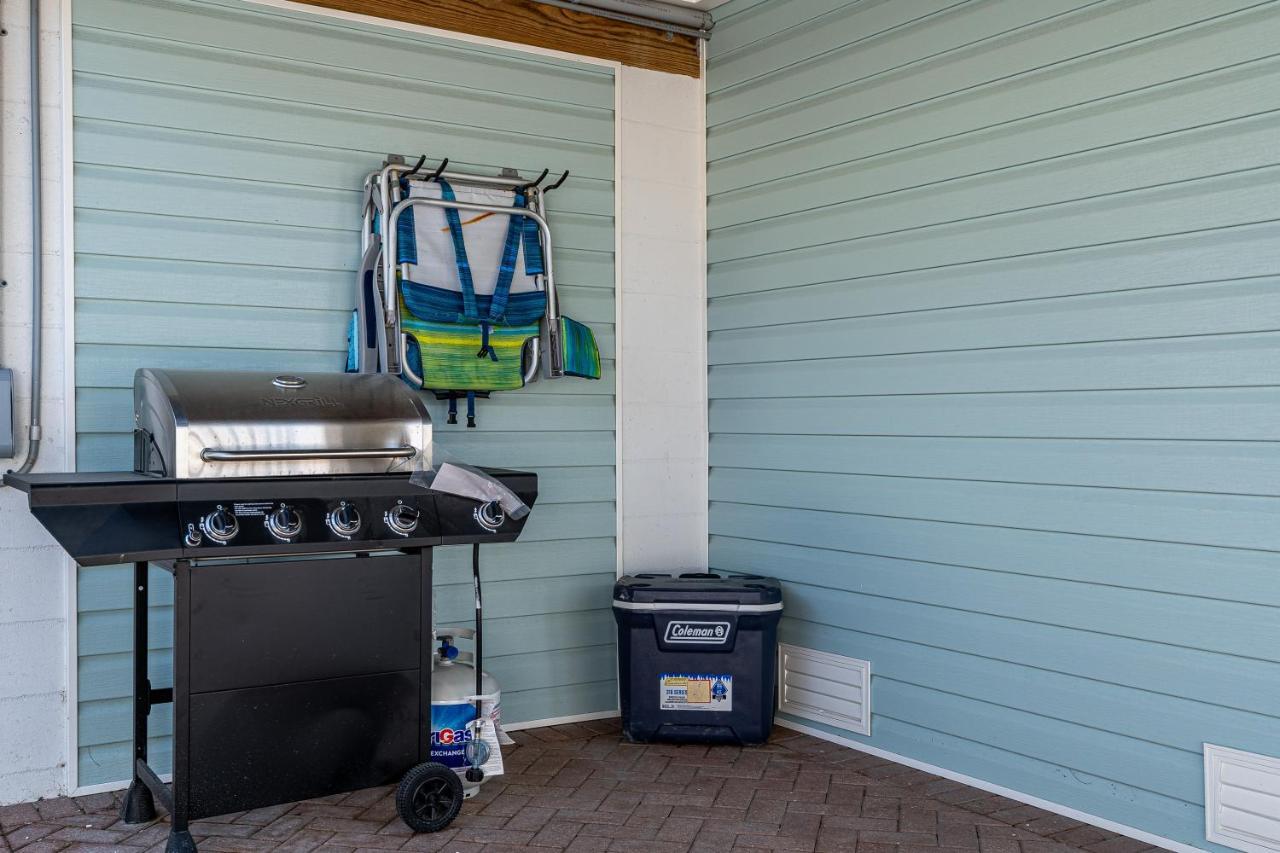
{"points": [[453, 681]]}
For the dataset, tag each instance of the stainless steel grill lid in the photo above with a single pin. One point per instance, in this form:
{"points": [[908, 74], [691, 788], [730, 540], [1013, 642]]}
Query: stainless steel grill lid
{"points": [[193, 424]]}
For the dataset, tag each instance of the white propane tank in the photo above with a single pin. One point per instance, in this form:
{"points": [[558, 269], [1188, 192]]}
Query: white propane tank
{"points": [[453, 682]]}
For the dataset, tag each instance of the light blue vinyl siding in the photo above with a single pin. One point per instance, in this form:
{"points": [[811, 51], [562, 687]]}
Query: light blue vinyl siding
{"points": [[995, 374], [220, 148]]}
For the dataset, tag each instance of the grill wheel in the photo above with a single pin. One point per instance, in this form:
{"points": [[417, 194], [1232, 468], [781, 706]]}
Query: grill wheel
{"points": [[429, 797]]}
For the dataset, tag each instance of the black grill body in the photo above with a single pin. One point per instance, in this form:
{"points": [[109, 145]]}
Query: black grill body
{"points": [[302, 668]]}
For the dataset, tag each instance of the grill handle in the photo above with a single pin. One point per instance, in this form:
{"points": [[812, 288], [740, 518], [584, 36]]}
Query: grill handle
{"points": [[211, 455]]}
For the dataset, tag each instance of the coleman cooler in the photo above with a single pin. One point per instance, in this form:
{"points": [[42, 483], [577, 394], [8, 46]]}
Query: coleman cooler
{"points": [[696, 656]]}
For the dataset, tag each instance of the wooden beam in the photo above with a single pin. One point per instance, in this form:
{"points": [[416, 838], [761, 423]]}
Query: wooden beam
{"points": [[529, 22]]}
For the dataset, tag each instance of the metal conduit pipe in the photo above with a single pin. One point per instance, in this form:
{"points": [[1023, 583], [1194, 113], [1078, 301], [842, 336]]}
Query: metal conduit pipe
{"points": [[37, 268], [646, 13]]}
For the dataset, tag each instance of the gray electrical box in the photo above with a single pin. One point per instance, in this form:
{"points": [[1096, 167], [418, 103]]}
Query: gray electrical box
{"points": [[6, 413]]}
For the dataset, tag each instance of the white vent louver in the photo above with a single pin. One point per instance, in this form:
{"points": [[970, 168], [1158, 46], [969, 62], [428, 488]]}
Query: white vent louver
{"points": [[1242, 799], [828, 688]]}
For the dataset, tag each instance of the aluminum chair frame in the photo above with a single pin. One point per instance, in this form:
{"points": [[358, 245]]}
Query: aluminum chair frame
{"points": [[383, 201]]}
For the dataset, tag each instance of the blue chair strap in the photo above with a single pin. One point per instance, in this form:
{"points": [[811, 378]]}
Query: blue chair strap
{"points": [[507, 267], [532, 248], [460, 253], [520, 229], [406, 233]]}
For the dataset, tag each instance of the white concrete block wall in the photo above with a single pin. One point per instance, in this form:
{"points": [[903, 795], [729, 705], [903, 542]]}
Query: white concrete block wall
{"points": [[662, 357], [35, 576]]}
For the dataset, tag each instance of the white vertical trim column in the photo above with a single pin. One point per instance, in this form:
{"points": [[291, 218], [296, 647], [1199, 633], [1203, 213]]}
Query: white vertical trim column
{"points": [[619, 332], [662, 351], [36, 647], [68, 203]]}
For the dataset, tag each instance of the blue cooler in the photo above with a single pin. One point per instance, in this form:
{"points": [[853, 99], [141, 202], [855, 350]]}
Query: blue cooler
{"points": [[696, 656]]}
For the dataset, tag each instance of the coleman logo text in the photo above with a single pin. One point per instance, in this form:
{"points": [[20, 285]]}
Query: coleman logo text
{"points": [[714, 633]]}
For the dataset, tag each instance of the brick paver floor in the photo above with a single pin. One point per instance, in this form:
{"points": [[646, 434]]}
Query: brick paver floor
{"points": [[581, 788]]}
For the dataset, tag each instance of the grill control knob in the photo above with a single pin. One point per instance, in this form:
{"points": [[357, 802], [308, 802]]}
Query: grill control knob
{"points": [[402, 519], [344, 520], [220, 525], [490, 516], [284, 523]]}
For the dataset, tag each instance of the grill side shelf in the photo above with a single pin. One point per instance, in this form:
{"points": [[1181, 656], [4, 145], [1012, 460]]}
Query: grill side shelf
{"points": [[105, 518]]}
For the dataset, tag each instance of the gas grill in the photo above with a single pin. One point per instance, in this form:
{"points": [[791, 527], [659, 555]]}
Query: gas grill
{"points": [[290, 513]]}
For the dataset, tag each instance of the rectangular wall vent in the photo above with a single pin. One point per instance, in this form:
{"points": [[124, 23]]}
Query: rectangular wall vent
{"points": [[1242, 799], [828, 688]]}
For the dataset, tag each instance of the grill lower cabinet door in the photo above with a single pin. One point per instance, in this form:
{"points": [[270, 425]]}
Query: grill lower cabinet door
{"points": [[304, 677], [268, 745]]}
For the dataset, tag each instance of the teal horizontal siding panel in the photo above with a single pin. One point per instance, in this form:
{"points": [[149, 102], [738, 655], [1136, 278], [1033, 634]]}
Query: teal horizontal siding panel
{"points": [[1016, 41], [116, 145], [798, 60], [326, 42], [286, 83], [1169, 159], [111, 366], [1208, 414], [1069, 145], [220, 149], [812, 30], [1092, 794], [519, 597], [1176, 568], [993, 333], [1240, 521], [896, 111], [757, 20], [99, 759], [1173, 723], [1241, 361], [1211, 202], [256, 202], [1242, 629], [1226, 467], [1181, 260], [211, 111], [177, 238], [1209, 309], [107, 322]]}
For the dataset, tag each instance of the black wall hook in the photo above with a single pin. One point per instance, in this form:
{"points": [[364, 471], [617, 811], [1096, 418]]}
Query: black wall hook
{"points": [[535, 182], [435, 176], [557, 184], [416, 167]]}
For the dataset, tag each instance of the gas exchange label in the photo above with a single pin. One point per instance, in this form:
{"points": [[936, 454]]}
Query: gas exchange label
{"points": [[688, 692]]}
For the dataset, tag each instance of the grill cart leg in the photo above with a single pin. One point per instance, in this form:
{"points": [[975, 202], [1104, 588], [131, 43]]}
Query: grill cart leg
{"points": [[430, 795], [140, 802], [139, 805], [180, 840]]}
